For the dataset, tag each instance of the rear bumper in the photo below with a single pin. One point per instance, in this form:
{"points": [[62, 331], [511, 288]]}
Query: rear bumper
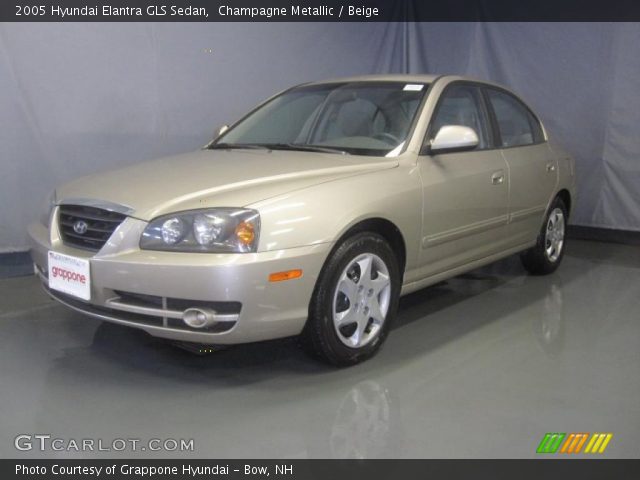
{"points": [[164, 284]]}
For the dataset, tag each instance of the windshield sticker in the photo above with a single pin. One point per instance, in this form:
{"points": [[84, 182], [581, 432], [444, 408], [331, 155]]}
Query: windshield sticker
{"points": [[415, 87]]}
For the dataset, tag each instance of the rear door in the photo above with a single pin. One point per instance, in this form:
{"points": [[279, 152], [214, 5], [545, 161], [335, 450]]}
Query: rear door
{"points": [[533, 169], [465, 194]]}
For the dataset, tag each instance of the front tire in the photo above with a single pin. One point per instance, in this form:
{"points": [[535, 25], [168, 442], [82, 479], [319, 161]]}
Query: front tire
{"points": [[545, 257], [354, 302]]}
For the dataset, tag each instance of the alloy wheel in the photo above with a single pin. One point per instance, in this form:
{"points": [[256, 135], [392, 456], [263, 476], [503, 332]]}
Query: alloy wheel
{"points": [[361, 300], [554, 235]]}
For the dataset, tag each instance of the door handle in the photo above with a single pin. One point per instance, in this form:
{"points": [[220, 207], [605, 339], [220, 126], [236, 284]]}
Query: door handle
{"points": [[551, 167], [497, 178]]}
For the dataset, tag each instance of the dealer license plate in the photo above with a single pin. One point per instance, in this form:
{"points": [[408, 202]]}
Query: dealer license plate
{"points": [[70, 275]]}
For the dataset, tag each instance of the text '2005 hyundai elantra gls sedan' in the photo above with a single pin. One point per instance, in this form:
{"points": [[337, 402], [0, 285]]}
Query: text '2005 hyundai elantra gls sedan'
{"points": [[312, 215]]}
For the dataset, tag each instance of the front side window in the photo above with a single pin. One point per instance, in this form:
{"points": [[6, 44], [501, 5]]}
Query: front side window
{"points": [[360, 118], [461, 105], [516, 123]]}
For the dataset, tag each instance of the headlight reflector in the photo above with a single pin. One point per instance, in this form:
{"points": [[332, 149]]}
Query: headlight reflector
{"points": [[173, 230], [208, 227], [216, 230]]}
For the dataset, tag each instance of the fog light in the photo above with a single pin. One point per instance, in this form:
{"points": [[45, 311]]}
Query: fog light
{"points": [[199, 317]]}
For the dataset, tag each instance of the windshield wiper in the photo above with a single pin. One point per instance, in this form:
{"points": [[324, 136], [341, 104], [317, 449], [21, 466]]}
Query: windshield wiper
{"points": [[229, 146], [303, 148], [276, 146]]}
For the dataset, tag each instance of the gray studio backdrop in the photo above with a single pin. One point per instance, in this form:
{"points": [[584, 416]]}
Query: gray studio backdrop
{"points": [[79, 98]]}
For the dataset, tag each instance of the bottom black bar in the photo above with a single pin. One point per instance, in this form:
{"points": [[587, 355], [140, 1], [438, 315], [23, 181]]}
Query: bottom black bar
{"points": [[609, 235], [321, 469]]}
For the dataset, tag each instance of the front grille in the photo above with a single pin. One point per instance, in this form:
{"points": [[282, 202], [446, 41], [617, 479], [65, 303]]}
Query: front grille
{"points": [[100, 224]]}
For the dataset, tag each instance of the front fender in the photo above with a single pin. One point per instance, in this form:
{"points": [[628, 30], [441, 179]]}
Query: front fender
{"points": [[323, 213]]}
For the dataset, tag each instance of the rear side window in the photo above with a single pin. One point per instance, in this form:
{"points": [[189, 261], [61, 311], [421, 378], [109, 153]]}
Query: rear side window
{"points": [[517, 125]]}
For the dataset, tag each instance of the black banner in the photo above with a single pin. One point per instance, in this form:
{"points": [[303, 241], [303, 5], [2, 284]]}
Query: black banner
{"points": [[317, 10], [319, 469]]}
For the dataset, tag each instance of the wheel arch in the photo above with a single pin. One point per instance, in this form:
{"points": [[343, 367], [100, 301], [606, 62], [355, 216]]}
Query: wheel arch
{"points": [[311, 336], [386, 229], [565, 196]]}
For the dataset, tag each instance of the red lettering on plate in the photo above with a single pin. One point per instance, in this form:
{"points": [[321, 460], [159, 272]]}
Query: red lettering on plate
{"points": [[68, 275]]}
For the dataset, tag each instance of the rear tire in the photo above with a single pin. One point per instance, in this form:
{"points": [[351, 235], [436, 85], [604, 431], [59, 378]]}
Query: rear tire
{"points": [[545, 257], [354, 302]]}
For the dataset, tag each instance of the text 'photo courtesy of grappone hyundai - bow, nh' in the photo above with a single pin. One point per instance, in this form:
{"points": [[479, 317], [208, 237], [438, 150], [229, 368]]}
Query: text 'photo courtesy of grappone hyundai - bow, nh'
{"points": [[312, 215]]}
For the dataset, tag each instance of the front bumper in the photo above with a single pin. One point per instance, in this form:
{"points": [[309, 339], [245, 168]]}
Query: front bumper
{"points": [[149, 290]]}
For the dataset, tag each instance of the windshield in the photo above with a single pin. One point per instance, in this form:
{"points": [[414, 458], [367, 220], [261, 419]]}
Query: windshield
{"points": [[361, 118]]}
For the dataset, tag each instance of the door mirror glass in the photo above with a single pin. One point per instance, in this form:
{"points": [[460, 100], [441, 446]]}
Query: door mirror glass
{"points": [[454, 138]]}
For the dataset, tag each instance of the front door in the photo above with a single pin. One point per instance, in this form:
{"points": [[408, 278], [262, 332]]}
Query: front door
{"points": [[465, 194]]}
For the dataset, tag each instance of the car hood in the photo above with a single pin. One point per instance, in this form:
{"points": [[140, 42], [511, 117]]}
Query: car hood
{"points": [[214, 178]]}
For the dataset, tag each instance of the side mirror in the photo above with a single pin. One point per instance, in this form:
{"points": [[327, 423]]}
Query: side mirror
{"points": [[454, 138], [220, 131]]}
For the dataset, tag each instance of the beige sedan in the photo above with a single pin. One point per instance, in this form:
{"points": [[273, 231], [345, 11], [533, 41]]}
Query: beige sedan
{"points": [[312, 215]]}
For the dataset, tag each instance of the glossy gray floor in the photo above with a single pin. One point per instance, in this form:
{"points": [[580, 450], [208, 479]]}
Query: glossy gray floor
{"points": [[479, 366]]}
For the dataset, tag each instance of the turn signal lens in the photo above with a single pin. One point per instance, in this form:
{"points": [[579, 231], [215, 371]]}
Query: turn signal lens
{"points": [[288, 275], [245, 233]]}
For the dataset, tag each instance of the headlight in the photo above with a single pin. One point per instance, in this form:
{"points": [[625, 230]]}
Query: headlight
{"points": [[217, 230], [47, 209]]}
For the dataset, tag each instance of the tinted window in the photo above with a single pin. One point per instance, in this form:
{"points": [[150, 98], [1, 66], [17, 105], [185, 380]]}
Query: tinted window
{"points": [[516, 123], [461, 105]]}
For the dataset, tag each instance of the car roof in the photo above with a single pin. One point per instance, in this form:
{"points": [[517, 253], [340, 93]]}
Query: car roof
{"points": [[406, 77], [380, 78]]}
